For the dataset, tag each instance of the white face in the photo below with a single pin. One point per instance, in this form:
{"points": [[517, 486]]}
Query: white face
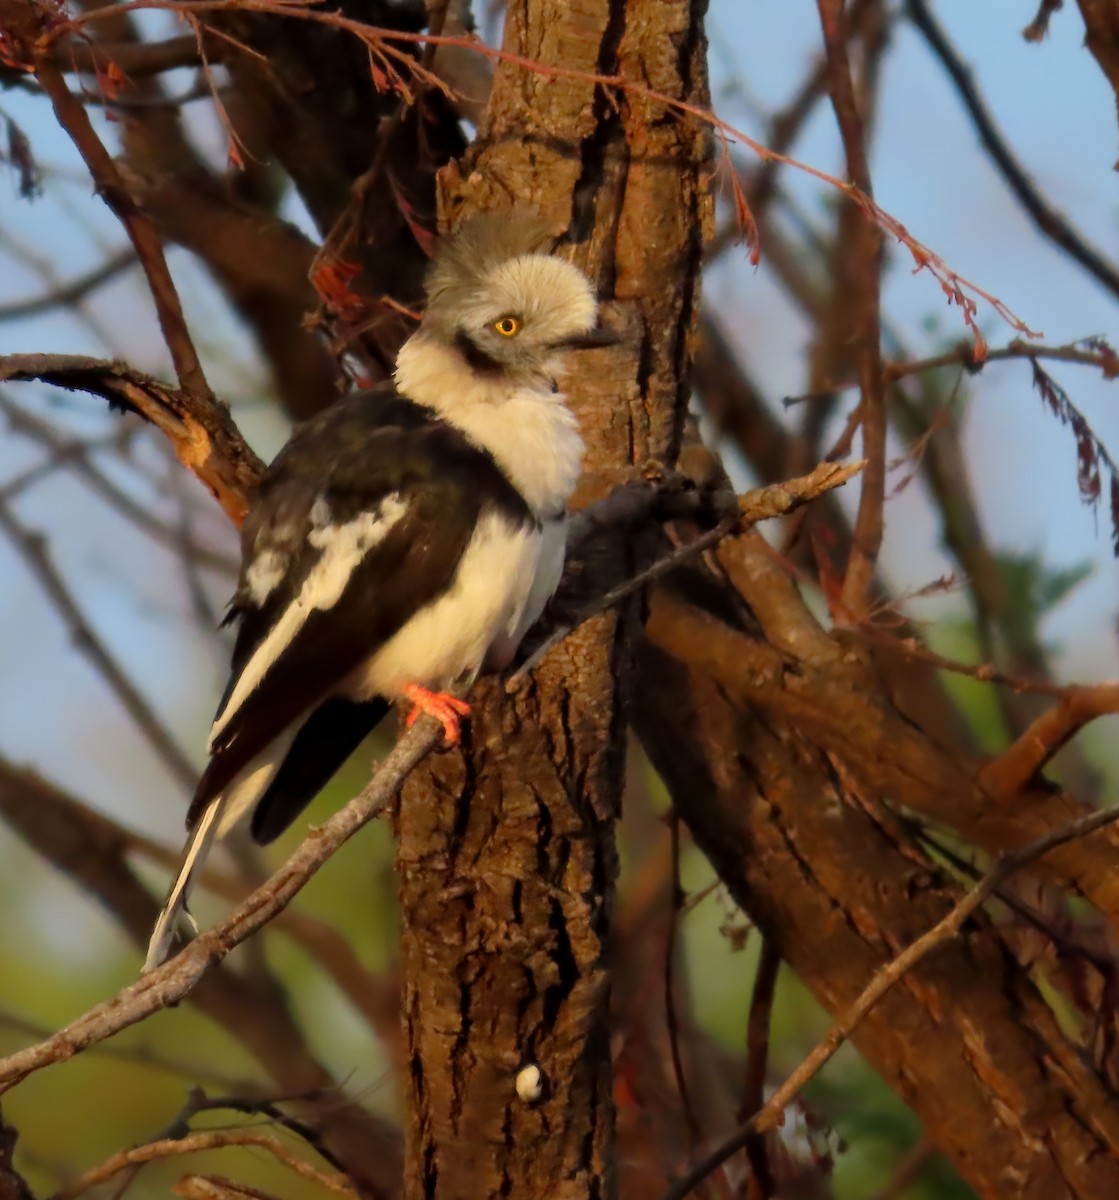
{"points": [[519, 315]]}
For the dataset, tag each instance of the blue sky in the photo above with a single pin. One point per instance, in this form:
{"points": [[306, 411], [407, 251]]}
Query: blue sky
{"points": [[1051, 102]]}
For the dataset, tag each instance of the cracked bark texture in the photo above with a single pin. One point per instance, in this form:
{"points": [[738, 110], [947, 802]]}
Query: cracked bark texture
{"points": [[835, 880], [507, 857]]}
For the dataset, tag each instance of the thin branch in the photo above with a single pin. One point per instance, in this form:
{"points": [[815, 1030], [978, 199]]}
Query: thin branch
{"points": [[866, 260], [201, 431], [757, 1065], [170, 983], [25, 24], [1013, 769], [31, 547], [776, 500], [1048, 221], [143, 1056], [381, 41], [211, 1139], [676, 902], [1083, 353], [70, 293], [76, 456], [944, 930], [134, 59]]}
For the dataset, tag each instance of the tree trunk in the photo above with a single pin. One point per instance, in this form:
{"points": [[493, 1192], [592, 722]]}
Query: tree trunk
{"points": [[507, 857]]}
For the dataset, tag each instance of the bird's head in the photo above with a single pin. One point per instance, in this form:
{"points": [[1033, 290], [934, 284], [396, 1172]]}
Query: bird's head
{"points": [[499, 297]]}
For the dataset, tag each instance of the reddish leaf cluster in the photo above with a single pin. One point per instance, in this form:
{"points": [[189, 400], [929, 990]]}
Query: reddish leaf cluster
{"points": [[332, 282], [1090, 451]]}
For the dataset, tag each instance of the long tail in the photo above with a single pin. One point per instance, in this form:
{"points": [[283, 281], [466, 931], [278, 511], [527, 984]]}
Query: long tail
{"points": [[175, 913]]}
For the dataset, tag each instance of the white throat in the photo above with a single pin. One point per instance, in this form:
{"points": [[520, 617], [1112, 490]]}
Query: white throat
{"points": [[531, 433]]}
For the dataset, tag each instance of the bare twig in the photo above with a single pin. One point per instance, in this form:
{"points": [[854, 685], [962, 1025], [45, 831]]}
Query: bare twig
{"points": [[771, 1114], [70, 293], [676, 902], [1048, 221], [1013, 769], [865, 278], [776, 500], [76, 456], [135, 60], [171, 982], [200, 430], [757, 1065], [32, 549], [211, 1139], [1082, 353], [25, 25], [143, 1056]]}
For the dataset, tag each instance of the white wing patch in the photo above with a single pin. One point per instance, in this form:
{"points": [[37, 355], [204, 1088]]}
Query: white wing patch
{"points": [[264, 575], [343, 547]]}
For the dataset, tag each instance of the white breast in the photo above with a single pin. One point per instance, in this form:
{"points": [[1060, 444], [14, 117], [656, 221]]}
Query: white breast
{"points": [[532, 434], [445, 644]]}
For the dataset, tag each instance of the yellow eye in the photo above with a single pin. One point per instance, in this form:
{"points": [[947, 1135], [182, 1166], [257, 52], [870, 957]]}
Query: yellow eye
{"points": [[507, 326]]}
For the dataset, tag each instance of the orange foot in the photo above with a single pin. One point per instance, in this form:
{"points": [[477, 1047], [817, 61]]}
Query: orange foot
{"points": [[444, 707]]}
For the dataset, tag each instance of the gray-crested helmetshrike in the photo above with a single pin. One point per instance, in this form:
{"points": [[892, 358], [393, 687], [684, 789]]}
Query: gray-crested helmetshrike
{"points": [[403, 540]]}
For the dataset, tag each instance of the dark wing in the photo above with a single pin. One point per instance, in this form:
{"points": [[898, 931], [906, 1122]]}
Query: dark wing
{"points": [[359, 522], [324, 741]]}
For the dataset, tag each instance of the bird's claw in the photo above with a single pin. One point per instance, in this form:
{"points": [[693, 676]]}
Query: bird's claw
{"points": [[445, 708]]}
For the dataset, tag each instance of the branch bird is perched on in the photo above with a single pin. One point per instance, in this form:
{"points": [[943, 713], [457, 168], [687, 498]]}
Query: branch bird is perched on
{"points": [[403, 540]]}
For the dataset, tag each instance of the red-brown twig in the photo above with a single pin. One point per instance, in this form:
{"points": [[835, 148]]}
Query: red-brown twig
{"points": [[771, 1114], [1084, 353], [211, 1139], [201, 433], [866, 274], [25, 25], [956, 288], [1048, 220], [1006, 775]]}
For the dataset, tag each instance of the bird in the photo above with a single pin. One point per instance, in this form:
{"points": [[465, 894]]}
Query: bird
{"points": [[403, 540]]}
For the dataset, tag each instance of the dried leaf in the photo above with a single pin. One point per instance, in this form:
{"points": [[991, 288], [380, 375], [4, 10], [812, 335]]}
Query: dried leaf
{"points": [[1090, 451], [332, 282], [111, 81], [425, 238]]}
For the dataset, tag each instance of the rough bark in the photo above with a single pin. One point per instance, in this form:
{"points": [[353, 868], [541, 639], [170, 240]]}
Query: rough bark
{"points": [[966, 1039], [507, 857]]}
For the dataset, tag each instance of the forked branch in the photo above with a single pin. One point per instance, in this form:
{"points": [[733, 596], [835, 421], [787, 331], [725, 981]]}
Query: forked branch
{"points": [[771, 1114]]}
